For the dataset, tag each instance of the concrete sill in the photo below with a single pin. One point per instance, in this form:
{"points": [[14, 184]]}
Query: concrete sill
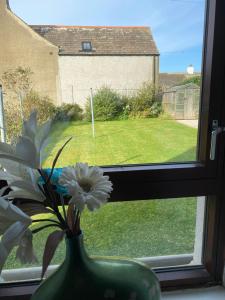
{"points": [[213, 293], [34, 273]]}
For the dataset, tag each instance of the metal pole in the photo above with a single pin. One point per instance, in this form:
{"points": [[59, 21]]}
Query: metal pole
{"points": [[92, 115], [73, 95], [21, 105], [2, 119]]}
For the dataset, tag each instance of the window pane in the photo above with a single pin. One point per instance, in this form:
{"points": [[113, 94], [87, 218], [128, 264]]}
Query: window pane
{"points": [[159, 232], [142, 75], [147, 229]]}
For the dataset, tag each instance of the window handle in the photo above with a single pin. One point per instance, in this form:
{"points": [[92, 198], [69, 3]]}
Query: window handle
{"points": [[215, 131]]}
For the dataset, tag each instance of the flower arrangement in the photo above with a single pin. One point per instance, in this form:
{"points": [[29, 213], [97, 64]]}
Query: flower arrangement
{"points": [[31, 190]]}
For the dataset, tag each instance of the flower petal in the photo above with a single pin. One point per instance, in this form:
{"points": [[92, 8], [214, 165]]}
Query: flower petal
{"points": [[3, 256], [26, 150], [25, 251], [42, 134], [79, 202], [30, 126], [13, 235], [93, 203], [7, 149], [20, 193], [11, 212]]}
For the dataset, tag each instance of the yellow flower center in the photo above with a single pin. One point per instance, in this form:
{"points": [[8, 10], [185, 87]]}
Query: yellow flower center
{"points": [[85, 184]]}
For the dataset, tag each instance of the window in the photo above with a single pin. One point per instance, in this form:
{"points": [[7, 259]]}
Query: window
{"points": [[86, 46], [192, 176]]}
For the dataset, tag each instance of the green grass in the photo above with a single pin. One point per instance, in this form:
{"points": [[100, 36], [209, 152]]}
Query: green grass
{"points": [[133, 229], [124, 142]]}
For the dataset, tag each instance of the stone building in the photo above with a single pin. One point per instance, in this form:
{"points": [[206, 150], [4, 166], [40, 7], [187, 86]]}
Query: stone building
{"points": [[69, 60], [22, 46]]}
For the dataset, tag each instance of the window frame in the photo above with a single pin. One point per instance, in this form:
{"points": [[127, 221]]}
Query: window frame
{"points": [[200, 178], [84, 49]]}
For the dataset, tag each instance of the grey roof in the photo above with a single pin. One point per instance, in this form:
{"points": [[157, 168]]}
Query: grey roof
{"points": [[171, 79], [105, 40], [186, 86], [174, 79]]}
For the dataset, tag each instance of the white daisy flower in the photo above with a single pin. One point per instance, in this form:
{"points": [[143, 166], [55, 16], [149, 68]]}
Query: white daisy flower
{"points": [[86, 185]]}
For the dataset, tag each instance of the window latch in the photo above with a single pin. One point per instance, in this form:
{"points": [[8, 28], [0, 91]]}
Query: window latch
{"points": [[215, 131]]}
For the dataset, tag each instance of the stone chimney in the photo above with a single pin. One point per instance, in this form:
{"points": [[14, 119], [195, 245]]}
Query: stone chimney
{"points": [[4, 4], [190, 70]]}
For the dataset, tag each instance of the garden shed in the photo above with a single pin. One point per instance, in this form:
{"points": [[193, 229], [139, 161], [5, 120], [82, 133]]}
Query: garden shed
{"points": [[182, 101]]}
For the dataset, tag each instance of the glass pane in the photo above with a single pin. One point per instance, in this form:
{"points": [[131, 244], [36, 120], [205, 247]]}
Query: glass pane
{"points": [[142, 73], [159, 232]]}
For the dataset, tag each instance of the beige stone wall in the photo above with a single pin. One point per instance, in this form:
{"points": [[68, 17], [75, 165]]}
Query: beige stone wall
{"points": [[123, 73], [21, 46]]}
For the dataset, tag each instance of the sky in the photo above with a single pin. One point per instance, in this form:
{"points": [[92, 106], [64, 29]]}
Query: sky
{"points": [[177, 25]]}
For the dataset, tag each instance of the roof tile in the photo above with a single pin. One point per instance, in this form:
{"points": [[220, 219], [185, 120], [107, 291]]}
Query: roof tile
{"points": [[106, 40]]}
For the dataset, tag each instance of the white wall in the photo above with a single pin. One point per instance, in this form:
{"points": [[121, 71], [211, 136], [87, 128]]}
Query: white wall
{"points": [[80, 73]]}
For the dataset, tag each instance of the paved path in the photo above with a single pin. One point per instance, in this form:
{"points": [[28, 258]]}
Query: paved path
{"points": [[191, 123]]}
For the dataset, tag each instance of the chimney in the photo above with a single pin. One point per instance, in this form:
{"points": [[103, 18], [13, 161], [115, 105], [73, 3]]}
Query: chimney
{"points": [[4, 4], [190, 70]]}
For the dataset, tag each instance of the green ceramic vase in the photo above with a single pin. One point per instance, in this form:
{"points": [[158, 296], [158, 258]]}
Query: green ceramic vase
{"points": [[81, 277]]}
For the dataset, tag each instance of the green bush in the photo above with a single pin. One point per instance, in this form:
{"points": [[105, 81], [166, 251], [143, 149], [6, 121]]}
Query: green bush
{"points": [[108, 105], [33, 101], [146, 103], [42, 104], [68, 112], [196, 79], [13, 121], [125, 108]]}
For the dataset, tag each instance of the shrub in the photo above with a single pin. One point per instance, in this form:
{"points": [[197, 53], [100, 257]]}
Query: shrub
{"points": [[13, 121], [146, 103], [108, 105], [33, 101], [69, 112], [196, 79], [42, 104], [125, 108]]}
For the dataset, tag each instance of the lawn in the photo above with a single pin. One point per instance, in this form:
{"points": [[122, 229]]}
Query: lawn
{"points": [[133, 229], [124, 142], [139, 228]]}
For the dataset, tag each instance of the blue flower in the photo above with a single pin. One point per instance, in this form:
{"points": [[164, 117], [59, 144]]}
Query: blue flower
{"points": [[55, 181]]}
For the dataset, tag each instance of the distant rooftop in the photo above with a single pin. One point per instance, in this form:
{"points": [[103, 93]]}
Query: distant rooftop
{"points": [[105, 40], [172, 79]]}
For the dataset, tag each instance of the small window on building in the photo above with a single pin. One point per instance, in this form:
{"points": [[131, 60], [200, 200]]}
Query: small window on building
{"points": [[86, 46]]}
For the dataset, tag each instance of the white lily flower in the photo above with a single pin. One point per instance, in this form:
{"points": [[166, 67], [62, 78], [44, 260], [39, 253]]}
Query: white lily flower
{"points": [[13, 225], [29, 146], [22, 180], [10, 214], [87, 186]]}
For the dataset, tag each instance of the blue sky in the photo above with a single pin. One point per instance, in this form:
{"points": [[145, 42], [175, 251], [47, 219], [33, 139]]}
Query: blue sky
{"points": [[177, 25]]}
